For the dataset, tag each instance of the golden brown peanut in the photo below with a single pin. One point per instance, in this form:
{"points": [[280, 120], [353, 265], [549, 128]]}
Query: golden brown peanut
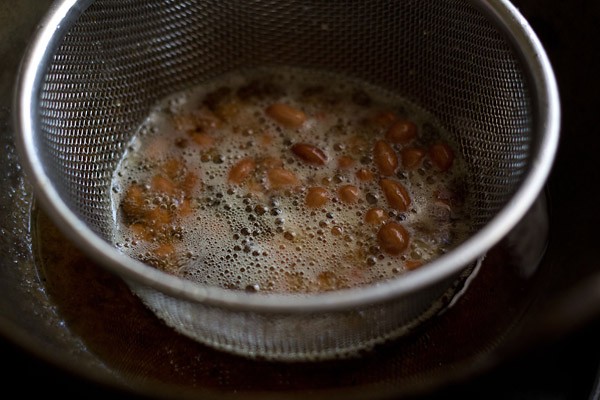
{"points": [[309, 153], [411, 157], [316, 197], [396, 194], [385, 158], [413, 264], [393, 238], [401, 132], [286, 115], [241, 170], [345, 162], [364, 175], [375, 216], [348, 193], [270, 162], [204, 140], [281, 177], [441, 156]]}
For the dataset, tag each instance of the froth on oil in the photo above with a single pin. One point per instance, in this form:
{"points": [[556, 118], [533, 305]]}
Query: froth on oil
{"points": [[288, 180]]}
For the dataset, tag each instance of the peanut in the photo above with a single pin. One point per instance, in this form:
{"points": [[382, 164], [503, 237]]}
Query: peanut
{"points": [[393, 238], [281, 177], [316, 197], [345, 162], [375, 216], [402, 132], [385, 158], [396, 194], [309, 153], [348, 193], [441, 155], [411, 157], [241, 170], [286, 115], [364, 174]]}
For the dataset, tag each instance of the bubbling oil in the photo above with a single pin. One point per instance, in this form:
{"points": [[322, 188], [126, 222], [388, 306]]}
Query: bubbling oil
{"points": [[177, 209]]}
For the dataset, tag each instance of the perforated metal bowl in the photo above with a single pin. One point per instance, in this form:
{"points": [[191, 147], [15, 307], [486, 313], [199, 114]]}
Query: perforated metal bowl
{"points": [[95, 68]]}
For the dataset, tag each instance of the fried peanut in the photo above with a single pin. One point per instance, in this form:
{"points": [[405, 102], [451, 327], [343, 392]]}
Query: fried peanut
{"points": [[345, 162], [375, 216], [241, 170], [286, 115], [442, 156], [411, 157], [348, 193], [385, 158], [204, 140], [393, 238], [309, 153], [401, 132], [396, 194], [281, 177], [316, 196], [413, 264], [364, 174]]}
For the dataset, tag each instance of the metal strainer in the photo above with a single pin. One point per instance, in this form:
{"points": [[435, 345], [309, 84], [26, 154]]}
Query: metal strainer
{"points": [[95, 69]]}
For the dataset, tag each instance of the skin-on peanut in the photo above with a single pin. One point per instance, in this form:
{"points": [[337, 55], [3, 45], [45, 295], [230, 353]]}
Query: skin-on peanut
{"points": [[411, 157], [385, 158], [393, 238], [316, 196], [309, 153], [441, 156], [348, 193], [375, 216], [286, 115], [396, 194], [281, 178], [241, 170], [401, 132]]}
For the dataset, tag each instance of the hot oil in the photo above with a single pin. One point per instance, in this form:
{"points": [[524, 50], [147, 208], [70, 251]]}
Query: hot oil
{"points": [[177, 209]]}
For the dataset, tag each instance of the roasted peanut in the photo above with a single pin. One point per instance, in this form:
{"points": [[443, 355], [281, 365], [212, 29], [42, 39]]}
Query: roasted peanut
{"points": [[286, 115], [364, 174], [375, 216], [345, 162], [401, 132], [309, 153], [396, 194], [316, 197], [281, 177], [393, 238], [442, 156], [241, 170], [204, 140], [385, 158], [411, 157], [412, 264], [348, 193]]}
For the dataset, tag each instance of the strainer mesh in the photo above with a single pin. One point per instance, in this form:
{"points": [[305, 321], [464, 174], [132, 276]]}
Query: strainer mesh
{"points": [[121, 57]]}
